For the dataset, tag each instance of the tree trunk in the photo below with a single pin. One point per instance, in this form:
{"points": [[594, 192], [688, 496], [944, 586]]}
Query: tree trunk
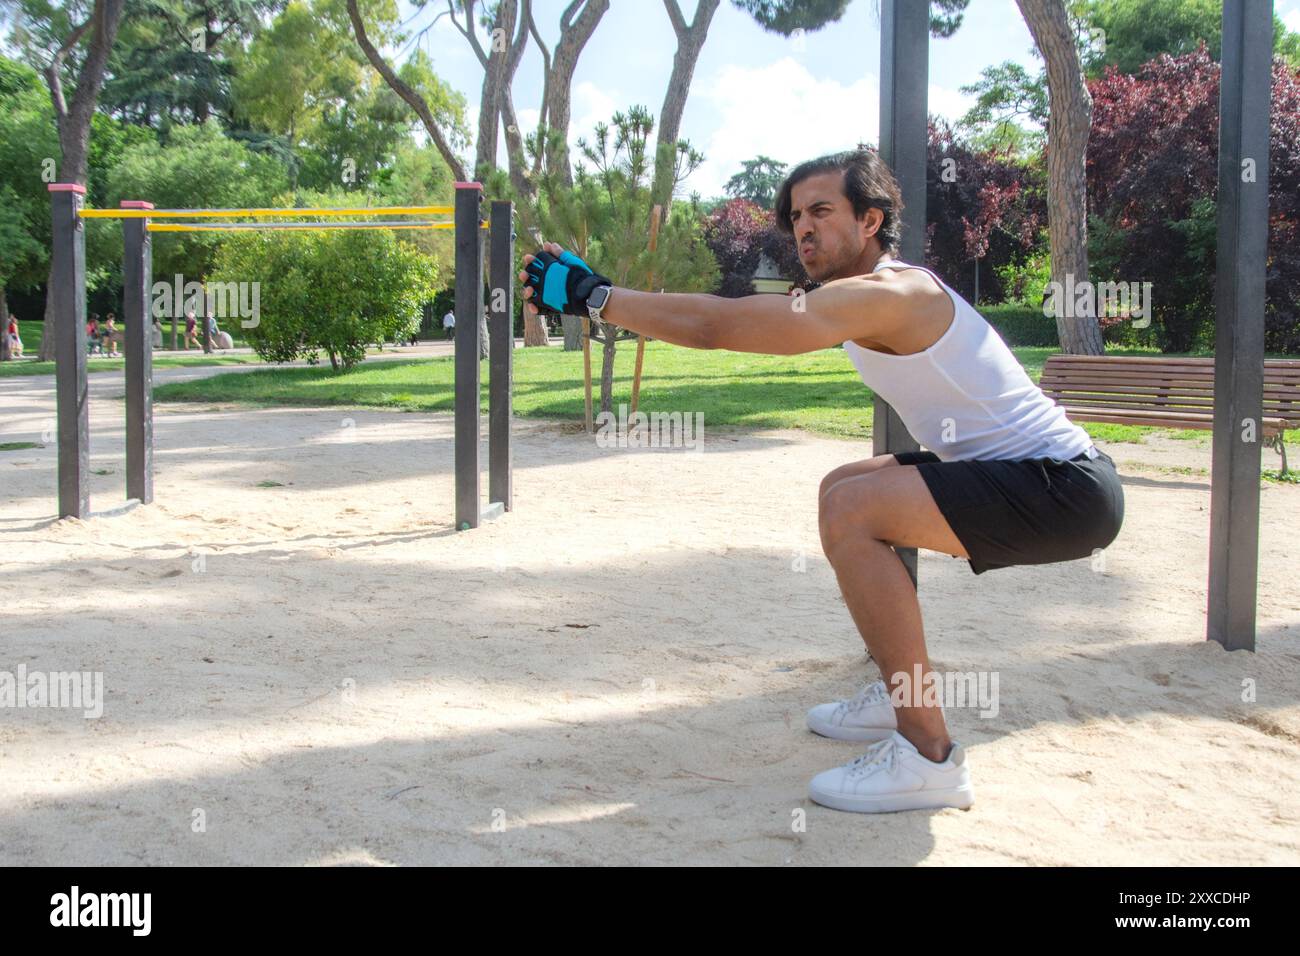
{"points": [[4, 327], [73, 119], [497, 102], [571, 325], [483, 335], [535, 330], [519, 174], [404, 90], [607, 370], [573, 37], [494, 62], [690, 40], [46, 352], [1067, 187]]}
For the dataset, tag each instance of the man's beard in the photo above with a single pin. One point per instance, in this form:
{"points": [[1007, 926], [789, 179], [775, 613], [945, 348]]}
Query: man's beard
{"points": [[826, 273]]}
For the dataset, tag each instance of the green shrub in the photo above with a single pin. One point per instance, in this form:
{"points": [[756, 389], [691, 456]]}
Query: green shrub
{"points": [[1025, 282], [335, 292], [1021, 325]]}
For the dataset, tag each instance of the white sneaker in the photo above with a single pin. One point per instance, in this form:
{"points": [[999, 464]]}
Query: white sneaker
{"points": [[892, 775], [867, 715]]}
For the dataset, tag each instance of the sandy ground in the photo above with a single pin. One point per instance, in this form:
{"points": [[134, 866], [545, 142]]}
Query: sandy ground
{"points": [[323, 672]]}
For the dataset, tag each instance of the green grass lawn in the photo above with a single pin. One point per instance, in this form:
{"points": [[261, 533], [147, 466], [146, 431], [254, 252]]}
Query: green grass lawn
{"points": [[96, 363], [817, 391]]}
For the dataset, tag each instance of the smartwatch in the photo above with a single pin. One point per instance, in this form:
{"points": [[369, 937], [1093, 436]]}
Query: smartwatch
{"points": [[597, 301]]}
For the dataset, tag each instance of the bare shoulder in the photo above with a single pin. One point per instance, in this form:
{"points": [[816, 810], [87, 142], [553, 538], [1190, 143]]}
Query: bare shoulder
{"points": [[902, 310], [916, 285], [899, 311]]}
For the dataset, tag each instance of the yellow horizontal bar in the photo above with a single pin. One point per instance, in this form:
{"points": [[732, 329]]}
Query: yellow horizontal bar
{"points": [[257, 213], [292, 226]]}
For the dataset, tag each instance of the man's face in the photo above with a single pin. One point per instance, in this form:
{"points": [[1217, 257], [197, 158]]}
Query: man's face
{"points": [[830, 241]]}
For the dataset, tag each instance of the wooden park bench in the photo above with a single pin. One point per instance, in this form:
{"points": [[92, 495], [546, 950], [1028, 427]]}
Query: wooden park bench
{"points": [[1165, 392]]}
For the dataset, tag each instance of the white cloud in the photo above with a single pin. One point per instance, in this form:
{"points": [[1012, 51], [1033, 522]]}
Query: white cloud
{"points": [[527, 119], [780, 110], [1292, 20], [950, 104], [783, 111], [590, 104]]}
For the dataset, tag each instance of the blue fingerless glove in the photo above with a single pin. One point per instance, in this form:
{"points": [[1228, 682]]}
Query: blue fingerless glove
{"points": [[561, 285]]}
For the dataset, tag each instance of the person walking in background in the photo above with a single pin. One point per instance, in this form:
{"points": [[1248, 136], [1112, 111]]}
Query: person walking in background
{"points": [[15, 341], [108, 335], [92, 333], [191, 329], [449, 324]]}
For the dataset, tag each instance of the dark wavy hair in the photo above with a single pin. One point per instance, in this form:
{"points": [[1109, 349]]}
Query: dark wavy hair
{"points": [[868, 184]]}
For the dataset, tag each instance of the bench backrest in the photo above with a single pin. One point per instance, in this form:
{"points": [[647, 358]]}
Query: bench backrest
{"points": [[1167, 384]]}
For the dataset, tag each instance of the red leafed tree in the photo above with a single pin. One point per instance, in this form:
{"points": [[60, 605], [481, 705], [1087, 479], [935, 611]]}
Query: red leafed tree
{"points": [[739, 233], [1152, 184], [733, 234], [984, 206]]}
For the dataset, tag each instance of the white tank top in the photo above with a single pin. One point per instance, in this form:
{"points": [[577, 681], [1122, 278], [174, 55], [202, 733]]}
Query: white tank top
{"points": [[966, 396]]}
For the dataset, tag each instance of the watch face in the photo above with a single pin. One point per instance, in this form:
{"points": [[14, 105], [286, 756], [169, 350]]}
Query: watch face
{"points": [[598, 297]]}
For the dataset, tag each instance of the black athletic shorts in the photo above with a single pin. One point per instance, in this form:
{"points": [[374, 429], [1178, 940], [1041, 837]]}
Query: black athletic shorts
{"points": [[1029, 511]]}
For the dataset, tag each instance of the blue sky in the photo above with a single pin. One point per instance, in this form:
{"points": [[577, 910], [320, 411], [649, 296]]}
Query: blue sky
{"points": [[753, 92]]}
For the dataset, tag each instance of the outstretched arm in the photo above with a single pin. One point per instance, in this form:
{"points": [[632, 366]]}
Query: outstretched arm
{"points": [[860, 307]]}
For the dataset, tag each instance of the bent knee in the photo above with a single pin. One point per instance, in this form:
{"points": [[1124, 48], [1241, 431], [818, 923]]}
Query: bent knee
{"points": [[854, 470], [828, 482], [843, 516]]}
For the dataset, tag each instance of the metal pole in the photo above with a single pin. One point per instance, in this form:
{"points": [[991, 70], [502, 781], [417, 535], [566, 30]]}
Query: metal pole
{"points": [[68, 306], [137, 275], [469, 307], [904, 75], [1244, 100], [502, 352]]}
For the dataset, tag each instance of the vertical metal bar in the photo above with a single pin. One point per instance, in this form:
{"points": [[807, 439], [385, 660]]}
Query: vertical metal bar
{"points": [[137, 275], [904, 78], [1244, 100], [469, 307], [501, 354], [68, 294]]}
